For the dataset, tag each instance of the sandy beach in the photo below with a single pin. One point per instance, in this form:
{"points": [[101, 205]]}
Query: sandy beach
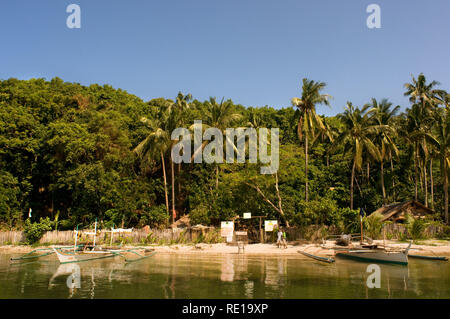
{"points": [[427, 248]]}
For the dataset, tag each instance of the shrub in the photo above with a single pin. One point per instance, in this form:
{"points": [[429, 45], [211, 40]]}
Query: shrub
{"points": [[199, 215], [35, 231], [349, 222], [416, 229], [373, 225], [156, 216]]}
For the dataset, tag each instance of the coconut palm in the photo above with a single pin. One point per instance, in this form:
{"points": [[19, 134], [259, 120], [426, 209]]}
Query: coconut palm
{"points": [[442, 117], [419, 91], [157, 141], [357, 138], [440, 139], [383, 115], [221, 116], [418, 123], [427, 97], [309, 120], [178, 111]]}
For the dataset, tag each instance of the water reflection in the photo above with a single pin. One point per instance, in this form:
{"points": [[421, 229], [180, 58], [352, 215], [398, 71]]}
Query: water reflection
{"points": [[221, 276]]}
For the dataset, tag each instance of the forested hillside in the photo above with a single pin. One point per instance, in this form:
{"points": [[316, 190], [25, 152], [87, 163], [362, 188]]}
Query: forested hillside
{"points": [[75, 153]]}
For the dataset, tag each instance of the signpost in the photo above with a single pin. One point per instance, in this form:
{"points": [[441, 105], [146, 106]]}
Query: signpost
{"points": [[270, 224], [227, 230]]}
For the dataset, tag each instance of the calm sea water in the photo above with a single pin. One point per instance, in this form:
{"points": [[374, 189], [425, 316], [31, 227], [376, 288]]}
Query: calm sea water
{"points": [[224, 276]]}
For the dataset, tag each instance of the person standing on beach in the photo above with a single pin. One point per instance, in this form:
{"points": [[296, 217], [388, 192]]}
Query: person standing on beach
{"points": [[279, 238]]}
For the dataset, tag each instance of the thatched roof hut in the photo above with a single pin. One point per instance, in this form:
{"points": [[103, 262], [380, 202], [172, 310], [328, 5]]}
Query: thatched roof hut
{"points": [[397, 212]]}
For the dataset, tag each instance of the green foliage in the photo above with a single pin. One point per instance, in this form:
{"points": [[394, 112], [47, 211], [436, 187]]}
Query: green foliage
{"points": [[154, 216], [199, 215], [9, 199], [373, 225], [416, 228], [86, 152], [34, 231]]}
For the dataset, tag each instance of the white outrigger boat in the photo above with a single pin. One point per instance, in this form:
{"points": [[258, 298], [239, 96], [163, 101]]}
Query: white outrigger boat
{"points": [[374, 254], [80, 253], [66, 257]]}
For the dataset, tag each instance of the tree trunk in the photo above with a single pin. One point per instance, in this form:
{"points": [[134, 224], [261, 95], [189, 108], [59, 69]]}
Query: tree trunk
{"points": [[382, 183], [445, 175], [306, 167], [392, 173], [415, 173], [368, 172], [173, 191], [431, 184], [165, 182], [351, 184], [279, 199], [425, 181]]}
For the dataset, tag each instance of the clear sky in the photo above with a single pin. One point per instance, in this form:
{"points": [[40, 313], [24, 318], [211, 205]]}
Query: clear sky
{"points": [[253, 51]]}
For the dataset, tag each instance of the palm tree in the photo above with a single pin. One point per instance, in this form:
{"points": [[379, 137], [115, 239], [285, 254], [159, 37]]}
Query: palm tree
{"points": [[418, 124], [441, 140], [309, 120], [356, 137], [426, 96], [157, 141], [443, 98], [325, 136], [178, 111], [167, 118], [383, 117], [221, 116], [419, 91]]}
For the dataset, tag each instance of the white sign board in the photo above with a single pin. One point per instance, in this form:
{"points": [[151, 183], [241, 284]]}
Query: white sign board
{"points": [[226, 229], [269, 225], [247, 215]]}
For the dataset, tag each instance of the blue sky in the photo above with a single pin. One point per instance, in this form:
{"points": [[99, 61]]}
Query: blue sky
{"points": [[253, 51]]}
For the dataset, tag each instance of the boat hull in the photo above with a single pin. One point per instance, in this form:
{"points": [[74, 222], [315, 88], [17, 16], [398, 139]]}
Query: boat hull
{"points": [[399, 258], [65, 258]]}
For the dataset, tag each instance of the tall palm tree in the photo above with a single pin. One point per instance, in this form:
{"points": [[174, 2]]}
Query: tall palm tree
{"points": [[383, 115], [419, 91], [426, 96], [418, 123], [357, 138], [441, 140], [309, 120], [177, 110], [157, 141], [221, 116]]}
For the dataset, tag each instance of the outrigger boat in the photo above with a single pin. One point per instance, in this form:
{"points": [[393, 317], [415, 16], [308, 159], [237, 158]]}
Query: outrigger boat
{"points": [[66, 257], [81, 252], [375, 254]]}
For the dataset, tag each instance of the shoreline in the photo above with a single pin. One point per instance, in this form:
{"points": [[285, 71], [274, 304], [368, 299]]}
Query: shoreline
{"points": [[426, 247]]}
